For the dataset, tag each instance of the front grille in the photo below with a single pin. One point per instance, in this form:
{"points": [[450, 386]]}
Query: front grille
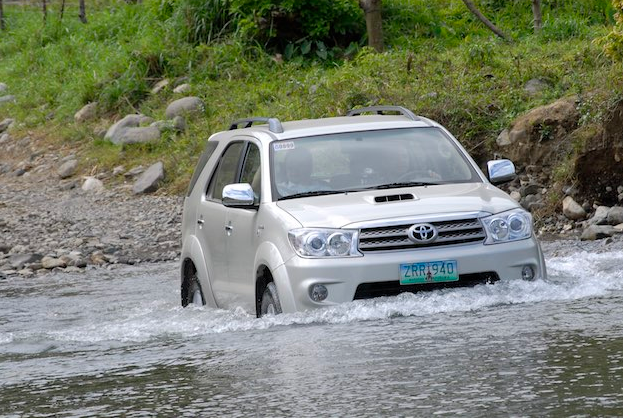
{"points": [[395, 237], [393, 288]]}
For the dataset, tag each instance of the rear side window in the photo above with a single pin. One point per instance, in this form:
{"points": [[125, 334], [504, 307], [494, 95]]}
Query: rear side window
{"points": [[203, 160]]}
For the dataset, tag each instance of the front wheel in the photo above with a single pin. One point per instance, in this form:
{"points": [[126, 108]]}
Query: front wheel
{"points": [[270, 301], [192, 293]]}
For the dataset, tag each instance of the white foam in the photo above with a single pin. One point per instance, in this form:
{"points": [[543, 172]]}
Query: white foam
{"points": [[578, 276]]}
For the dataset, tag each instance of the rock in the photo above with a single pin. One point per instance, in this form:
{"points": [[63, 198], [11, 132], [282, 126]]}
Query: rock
{"points": [[68, 169], [515, 195], [178, 124], [600, 217], [619, 227], [159, 86], [535, 86], [135, 171], [615, 215], [5, 124], [144, 135], [118, 170], [50, 263], [148, 181], [503, 138], [529, 132], [3, 88], [129, 121], [18, 261], [595, 232], [7, 99], [182, 88], [91, 184], [531, 188], [88, 112], [572, 210], [4, 138], [186, 105]]}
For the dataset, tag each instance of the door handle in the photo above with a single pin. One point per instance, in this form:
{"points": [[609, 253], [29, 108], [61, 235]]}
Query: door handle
{"points": [[200, 221], [229, 228]]}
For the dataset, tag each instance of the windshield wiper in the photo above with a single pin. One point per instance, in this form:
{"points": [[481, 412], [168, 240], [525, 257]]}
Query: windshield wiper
{"points": [[313, 193], [403, 184]]}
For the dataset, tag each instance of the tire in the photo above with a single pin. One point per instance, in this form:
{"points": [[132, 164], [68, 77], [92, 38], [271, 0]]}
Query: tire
{"points": [[270, 301], [193, 293]]}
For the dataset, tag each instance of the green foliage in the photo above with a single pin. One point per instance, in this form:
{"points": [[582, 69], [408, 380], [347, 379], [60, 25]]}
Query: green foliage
{"points": [[282, 22], [440, 62]]}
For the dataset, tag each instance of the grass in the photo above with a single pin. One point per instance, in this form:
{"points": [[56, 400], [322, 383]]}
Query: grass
{"points": [[440, 62]]}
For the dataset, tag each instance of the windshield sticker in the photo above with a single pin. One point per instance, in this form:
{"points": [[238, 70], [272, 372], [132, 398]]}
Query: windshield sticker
{"points": [[280, 146]]}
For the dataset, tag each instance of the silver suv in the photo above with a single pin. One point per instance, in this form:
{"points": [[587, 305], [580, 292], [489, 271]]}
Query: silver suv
{"points": [[283, 217]]}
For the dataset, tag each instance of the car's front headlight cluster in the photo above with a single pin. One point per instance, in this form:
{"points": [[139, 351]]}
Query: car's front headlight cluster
{"points": [[317, 243], [513, 225]]}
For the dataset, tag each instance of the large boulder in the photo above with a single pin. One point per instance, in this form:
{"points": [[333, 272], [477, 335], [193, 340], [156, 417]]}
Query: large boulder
{"points": [[115, 132], [595, 232], [535, 135], [185, 106], [149, 181], [142, 135]]}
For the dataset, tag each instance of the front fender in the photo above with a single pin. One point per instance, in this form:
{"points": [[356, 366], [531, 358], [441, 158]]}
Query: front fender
{"points": [[191, 249], [268, 255]]}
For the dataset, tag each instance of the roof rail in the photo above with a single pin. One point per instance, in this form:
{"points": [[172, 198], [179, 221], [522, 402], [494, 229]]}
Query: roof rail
{"points": [[381, 109], [274, 124]]}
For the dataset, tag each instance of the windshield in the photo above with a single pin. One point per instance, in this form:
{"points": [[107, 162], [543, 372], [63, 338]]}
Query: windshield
{"points": [[356, 161]]}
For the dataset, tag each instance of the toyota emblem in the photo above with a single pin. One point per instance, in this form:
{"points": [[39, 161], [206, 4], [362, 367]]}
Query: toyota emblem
{"points": [[422, 233]]}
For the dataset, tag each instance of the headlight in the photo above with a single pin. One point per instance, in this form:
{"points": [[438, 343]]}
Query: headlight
{"points": [[317, 243], [508, 226]]}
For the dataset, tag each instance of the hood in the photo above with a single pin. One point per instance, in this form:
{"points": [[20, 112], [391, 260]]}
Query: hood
{"points": [[344, 210]]}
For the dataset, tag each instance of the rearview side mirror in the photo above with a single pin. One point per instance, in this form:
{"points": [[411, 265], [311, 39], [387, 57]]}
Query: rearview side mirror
{"points": [[501, 171], [239, 195]]}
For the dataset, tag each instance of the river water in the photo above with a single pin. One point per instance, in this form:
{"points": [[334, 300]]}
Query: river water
{"points": [[114, 343]]}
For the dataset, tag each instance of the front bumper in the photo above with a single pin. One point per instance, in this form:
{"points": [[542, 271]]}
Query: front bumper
{"points": [[342, 276]]}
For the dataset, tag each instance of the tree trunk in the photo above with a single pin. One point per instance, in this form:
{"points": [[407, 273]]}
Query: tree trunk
{"points": [[1, 16], [536, 11], [62, 9], [44, 5], [374, 23], [83, 13], [472, 8]]}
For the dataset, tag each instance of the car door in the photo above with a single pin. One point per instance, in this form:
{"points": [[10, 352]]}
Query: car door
{"points": [[244, 233], [212, 219]]}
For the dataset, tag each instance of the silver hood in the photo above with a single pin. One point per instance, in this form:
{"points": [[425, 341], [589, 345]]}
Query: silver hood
{"points": [[349, 209]]}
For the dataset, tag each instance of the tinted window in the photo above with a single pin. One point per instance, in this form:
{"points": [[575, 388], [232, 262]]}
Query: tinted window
{"points": [[203, 160], [357, 160], [226, 172]]}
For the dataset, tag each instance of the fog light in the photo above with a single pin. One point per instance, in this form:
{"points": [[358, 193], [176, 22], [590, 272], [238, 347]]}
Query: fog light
{"points": [[318, 292], [527, 273]]}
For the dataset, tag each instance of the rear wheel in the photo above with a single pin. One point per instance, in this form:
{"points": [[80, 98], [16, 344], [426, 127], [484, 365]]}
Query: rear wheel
{"points": [[270, 301]]}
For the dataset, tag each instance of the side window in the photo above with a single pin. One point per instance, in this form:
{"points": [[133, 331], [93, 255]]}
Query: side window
{"points": [[251, 169], [226, 172], [205, 156]]}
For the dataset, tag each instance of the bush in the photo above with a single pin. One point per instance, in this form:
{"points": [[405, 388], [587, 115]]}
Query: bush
{"points": [[278, 23]]}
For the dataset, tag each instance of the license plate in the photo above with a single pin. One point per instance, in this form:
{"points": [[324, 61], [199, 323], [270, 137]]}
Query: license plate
{"points": [[429, 272]]}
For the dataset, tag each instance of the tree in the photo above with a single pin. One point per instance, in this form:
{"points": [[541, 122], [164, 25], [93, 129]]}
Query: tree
{"points": [[83, 13], [374, 23], [536, 11], [472, 8], [44, 5]]}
